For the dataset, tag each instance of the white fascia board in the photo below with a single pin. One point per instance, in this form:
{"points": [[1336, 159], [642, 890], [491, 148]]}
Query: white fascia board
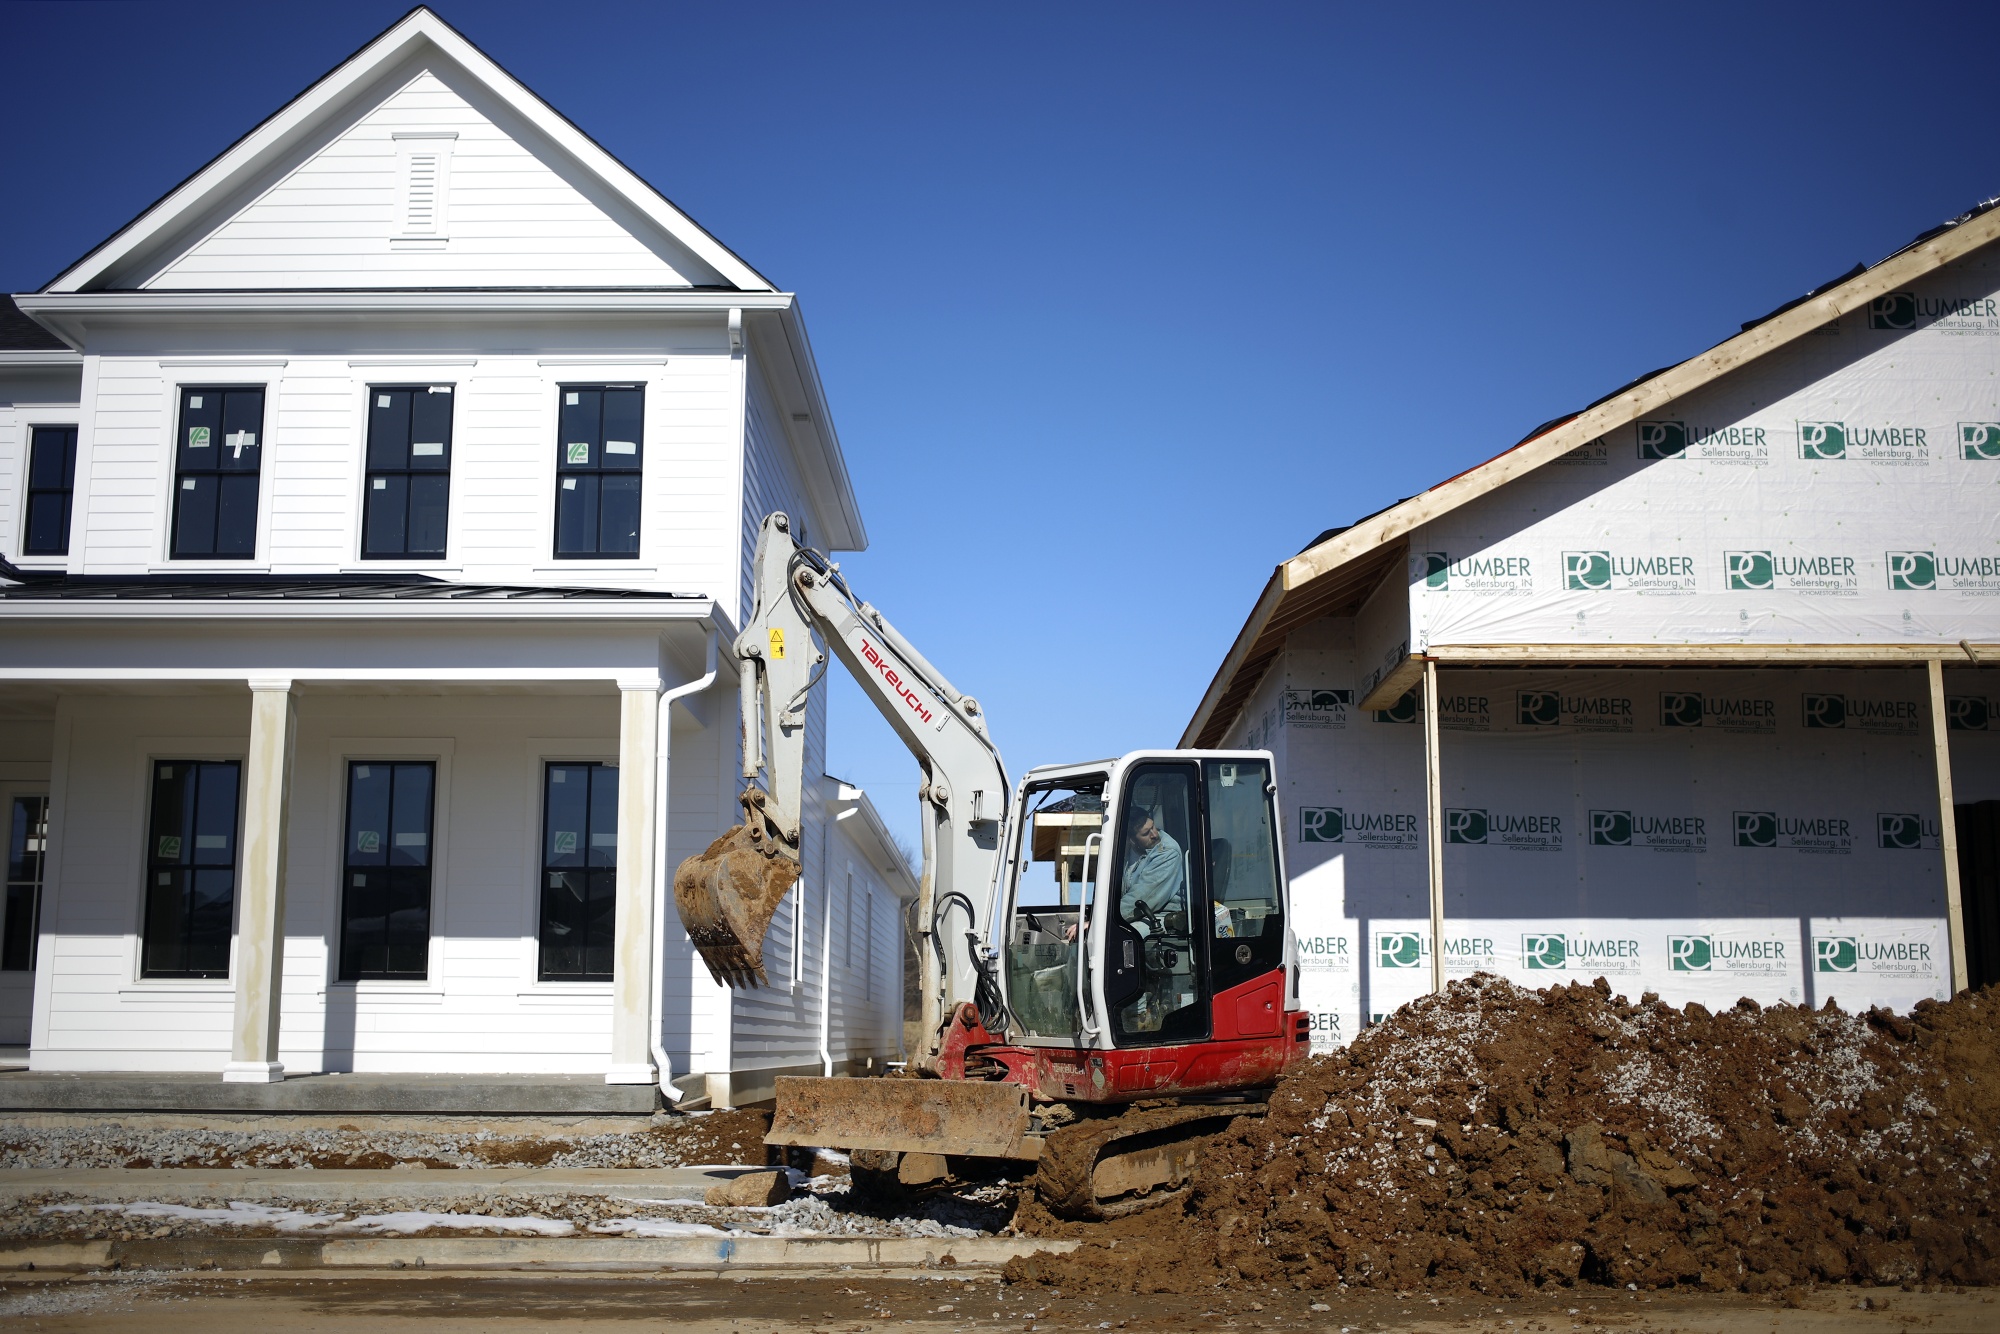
{"points": [[270, 141], [64, 358], [860, 821], [71, 314], [568, 611], [784, 357]]}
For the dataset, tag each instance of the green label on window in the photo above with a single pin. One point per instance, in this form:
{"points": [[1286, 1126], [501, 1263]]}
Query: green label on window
{"points": [[170, 848], [197, 437], [565, 842], [579, 453], [367, 840]]}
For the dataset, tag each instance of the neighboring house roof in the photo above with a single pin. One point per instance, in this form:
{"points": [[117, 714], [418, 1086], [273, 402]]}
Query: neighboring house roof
{"points": [[281, 136], [1339, 571], [863, 826], [18, 333]]}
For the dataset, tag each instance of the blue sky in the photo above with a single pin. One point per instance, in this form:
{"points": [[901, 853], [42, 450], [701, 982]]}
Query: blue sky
{"points": [[1118, 305]]}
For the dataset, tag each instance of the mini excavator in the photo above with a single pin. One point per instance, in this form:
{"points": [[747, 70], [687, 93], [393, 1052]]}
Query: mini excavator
{"points": [[1107, 976]]}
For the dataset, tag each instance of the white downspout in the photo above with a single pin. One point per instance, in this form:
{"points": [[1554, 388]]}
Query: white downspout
{"points": [[656, 1013], [826, 951]]}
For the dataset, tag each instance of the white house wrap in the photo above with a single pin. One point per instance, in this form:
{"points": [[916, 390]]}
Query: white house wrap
{"points": [[1686, 646]]}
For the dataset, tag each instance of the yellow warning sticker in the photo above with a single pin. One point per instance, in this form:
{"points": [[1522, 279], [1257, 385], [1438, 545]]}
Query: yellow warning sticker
{"points": [[777, 644]]}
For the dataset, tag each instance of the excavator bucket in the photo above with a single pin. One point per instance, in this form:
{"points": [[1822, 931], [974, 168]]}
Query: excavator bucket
{"points": [[727, 897]]}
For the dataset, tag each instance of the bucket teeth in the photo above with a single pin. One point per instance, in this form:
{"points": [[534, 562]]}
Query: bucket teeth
{"points": [[727, 897]]}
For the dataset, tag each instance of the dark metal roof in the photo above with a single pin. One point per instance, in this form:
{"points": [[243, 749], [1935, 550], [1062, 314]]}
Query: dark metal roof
{"points": [[36, 585], [18, 333]]}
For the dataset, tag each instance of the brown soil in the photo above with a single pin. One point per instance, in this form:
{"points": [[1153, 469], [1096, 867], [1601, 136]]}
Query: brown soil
{"points": [[1501, 1140], [724, 1137]]}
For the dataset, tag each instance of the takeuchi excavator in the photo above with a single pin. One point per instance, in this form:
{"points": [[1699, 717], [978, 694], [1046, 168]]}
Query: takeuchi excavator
{"points": [[1106, 971]]}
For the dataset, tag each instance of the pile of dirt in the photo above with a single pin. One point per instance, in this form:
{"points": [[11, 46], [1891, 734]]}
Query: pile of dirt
{"points": [[1504, 1140]]}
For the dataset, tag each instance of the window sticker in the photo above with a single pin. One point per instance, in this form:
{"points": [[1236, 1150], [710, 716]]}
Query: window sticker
{"points": [[579, 452], [197, 435], [361, 771], [367, 840], [559, 777], [422, 447], [569, 400], [440, 389], [194, 400], [412, 840], [604, 840], [569, 484], [187, 483], [565, 842], [382, 400], [211, 841], [381, 484], [620, 447], [238, 441], [360, 880], [170, 847]]}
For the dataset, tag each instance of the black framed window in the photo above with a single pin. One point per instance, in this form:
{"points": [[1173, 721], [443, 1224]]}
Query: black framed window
{"points": [[599, 452], [191, 868], [385, 873], [27, 850], [218, 456], [408, 487], [51, 487], [579, 871]]}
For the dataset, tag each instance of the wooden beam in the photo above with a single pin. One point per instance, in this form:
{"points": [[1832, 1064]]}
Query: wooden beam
{"points": [[1434, 821], [1695, 655], [1954, 902], [1392, 687], [1246, 639], [1621, 410]]}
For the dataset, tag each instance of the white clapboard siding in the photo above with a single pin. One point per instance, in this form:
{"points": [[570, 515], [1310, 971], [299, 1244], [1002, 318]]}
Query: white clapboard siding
{"points": [[509, 216]]}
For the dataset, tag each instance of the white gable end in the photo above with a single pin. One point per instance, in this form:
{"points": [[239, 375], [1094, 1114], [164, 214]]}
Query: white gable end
{"points": [[426, 190]]}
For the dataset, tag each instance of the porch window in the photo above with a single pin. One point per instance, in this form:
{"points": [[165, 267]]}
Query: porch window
{"points": [[599, 448], [579, 871], [27, 845], [191, 868], [385, 874], [408, 485], [218, 457], [51, 487]]}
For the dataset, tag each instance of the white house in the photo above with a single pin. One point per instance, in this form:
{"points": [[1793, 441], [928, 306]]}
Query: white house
{"points": [[373, 504], [1693, 689]]}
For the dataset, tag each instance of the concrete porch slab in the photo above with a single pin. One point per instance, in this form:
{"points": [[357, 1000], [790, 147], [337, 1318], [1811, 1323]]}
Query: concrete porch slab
{"points": [[443, 1095]]}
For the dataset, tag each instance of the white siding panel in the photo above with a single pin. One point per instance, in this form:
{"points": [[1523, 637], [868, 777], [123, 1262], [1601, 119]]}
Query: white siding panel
{"points": [[511, 221]]}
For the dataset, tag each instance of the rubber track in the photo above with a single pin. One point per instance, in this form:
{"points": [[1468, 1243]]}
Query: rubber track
{"points": [[1070, 1156]]}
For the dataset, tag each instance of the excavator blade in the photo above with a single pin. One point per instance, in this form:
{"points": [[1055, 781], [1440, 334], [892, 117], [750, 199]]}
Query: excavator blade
{"points": [[944, 1116], [727, 897]]}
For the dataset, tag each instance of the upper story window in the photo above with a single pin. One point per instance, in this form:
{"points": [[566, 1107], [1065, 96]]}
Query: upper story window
{"points": [[51, 487], [599, 449], [408, 488], [218, 456]]}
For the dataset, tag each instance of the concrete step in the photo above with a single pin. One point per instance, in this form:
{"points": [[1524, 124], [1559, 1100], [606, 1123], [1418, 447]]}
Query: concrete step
{"points": [[444, 1095], [174, 1185], [886, 1256]]}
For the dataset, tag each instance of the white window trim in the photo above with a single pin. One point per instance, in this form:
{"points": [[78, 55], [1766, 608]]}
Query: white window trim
{"points": [[27, 416], [341, 751], [539, 753], [165, 561], [146, 752]]}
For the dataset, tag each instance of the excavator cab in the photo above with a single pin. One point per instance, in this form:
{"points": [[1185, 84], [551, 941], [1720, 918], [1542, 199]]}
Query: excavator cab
{"points": [[1145, 897]]}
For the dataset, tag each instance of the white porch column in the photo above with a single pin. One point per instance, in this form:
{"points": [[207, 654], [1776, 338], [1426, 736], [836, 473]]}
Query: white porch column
{"points": [[633, 965], [260, 887]]}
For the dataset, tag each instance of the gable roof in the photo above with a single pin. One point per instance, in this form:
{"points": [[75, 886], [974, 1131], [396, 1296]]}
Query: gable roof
{"points": [[1344, 566], [418, 38]]}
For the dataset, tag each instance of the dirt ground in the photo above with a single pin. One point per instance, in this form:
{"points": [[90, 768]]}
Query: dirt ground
{"points": [[1505, 1141], [443, 1303]]}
